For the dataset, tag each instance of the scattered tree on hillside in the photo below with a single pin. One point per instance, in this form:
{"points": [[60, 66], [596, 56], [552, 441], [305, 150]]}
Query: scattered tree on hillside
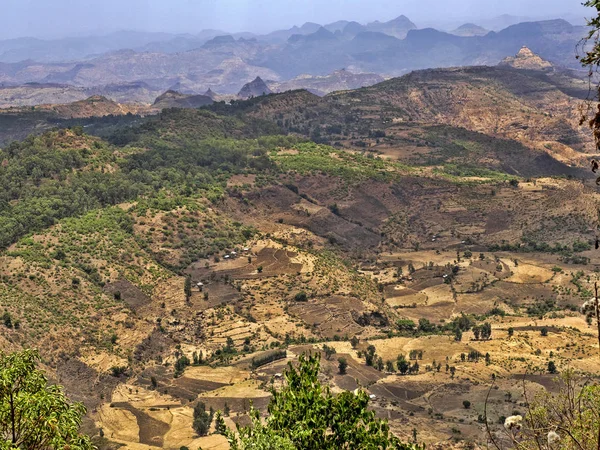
{"points": [[370, 355], [342, 366], [329, 351], [220, 427], [457, 335], [34, 415], [187, 288], [402, 364], [202, 419]]}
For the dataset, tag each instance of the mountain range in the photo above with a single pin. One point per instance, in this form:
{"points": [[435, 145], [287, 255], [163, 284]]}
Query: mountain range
{"points": [[140, 66]]}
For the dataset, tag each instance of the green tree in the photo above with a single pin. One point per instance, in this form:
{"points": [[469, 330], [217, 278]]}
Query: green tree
{"points": [[220, 427], [180, 365], [34, 415], [202, 419], [329, 351], [405, 325], [7, 319], [258, 436], [305, 415], [342, 365], [187, 288], [551, 367], [402, 364], [457, 335]]}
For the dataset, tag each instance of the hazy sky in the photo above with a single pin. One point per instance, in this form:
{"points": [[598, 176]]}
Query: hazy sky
{"points": [[57, 18]]}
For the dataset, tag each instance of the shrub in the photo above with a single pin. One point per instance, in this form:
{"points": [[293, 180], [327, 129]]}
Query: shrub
{"points": [[301, 296]]}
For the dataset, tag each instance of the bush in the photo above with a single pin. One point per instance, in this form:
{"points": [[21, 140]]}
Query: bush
{"points": [[301, 297]]}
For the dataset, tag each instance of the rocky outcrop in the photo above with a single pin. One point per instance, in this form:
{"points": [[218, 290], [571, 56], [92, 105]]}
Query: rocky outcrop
{"points": [[526, 59], [255, 88]]}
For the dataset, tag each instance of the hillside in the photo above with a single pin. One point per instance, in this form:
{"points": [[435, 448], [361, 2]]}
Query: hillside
{"points": [[173, 99], [340, 80], [376, 224], [537, 109]]}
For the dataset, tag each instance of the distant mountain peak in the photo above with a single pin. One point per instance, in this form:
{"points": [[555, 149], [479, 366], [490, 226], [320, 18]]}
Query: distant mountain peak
{"points": [[526, 59], [174, 99], [169, 94], [255, 88], [402, 20], [220, 40], [469, 30], [310, 27], [397, 27], [322, 34], [210, 93]]}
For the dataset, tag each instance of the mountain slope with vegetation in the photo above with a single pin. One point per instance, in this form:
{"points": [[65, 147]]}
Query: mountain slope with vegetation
{"points": [[425, 235]]}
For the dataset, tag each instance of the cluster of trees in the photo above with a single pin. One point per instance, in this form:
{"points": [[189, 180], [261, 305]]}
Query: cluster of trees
{"points": [[529, 245], [402, 364], [405, 366], [266, 358], [483, 331], [44, 179], [457, 327], [202, 419], [474, 356]]}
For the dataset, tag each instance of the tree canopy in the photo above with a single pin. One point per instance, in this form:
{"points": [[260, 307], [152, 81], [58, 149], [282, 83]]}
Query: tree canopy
{"points": [[304, 414], [33, 414]]}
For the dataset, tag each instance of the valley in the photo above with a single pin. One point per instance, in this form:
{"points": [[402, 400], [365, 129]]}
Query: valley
{"points": [[435, 231]]}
